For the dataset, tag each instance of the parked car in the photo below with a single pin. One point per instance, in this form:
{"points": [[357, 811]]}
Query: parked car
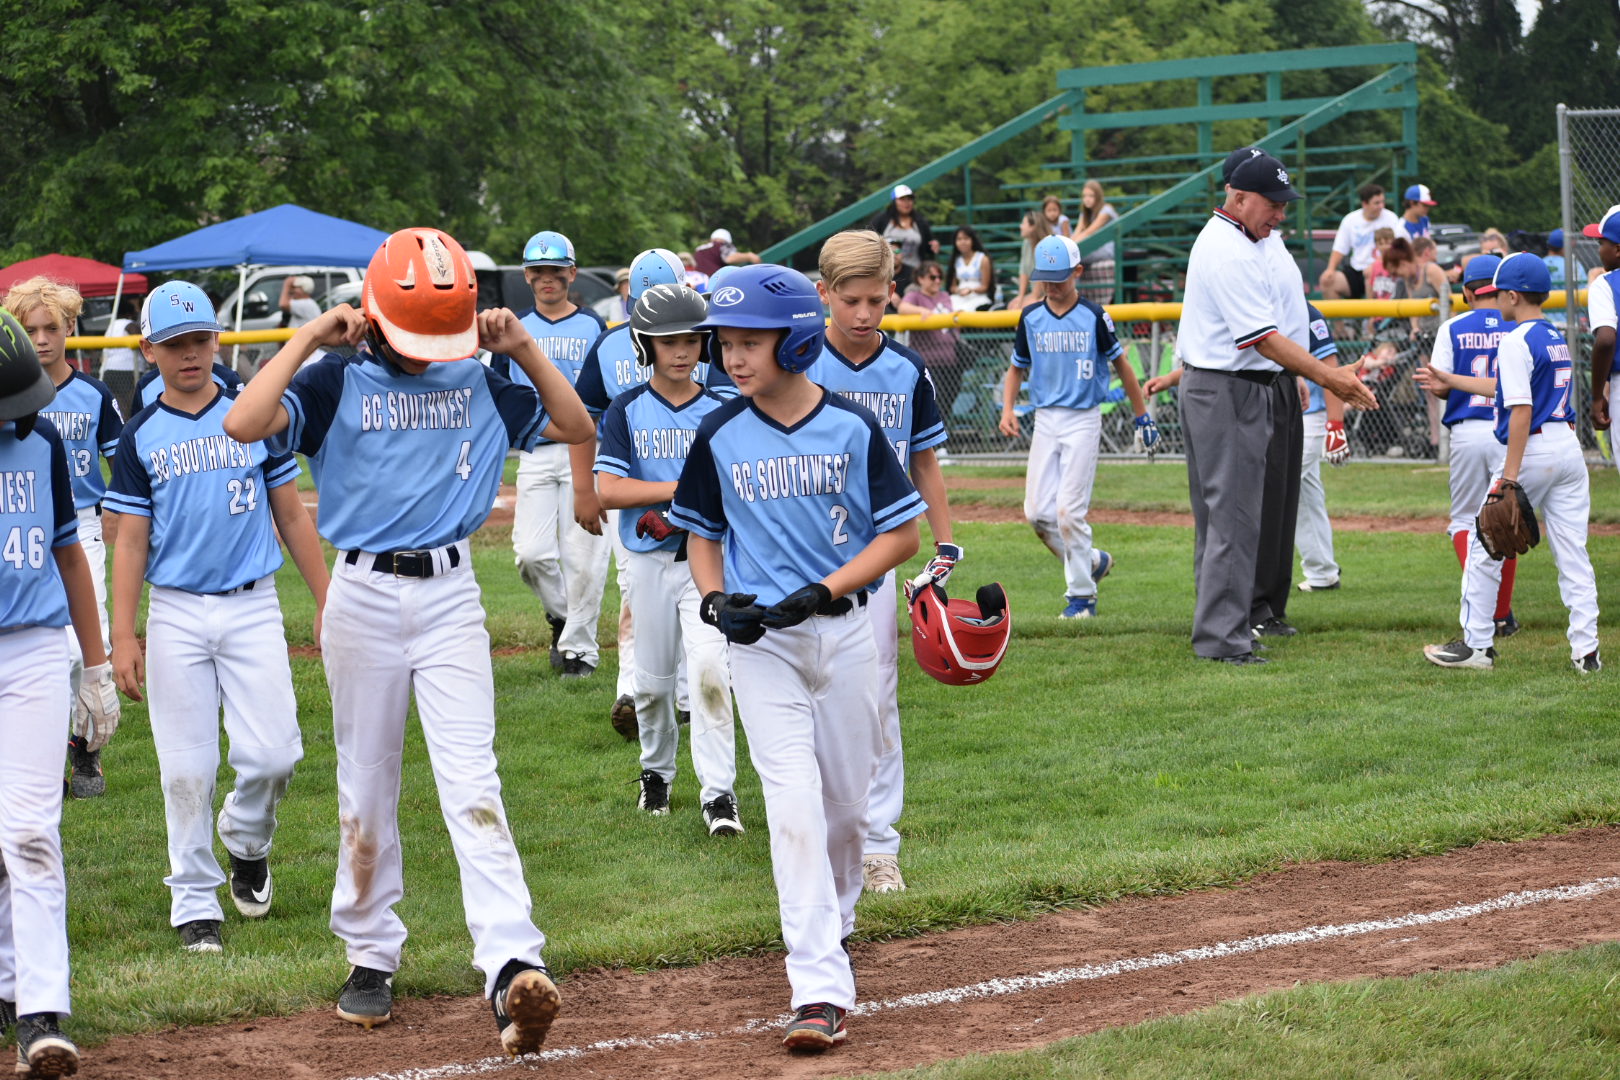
{"points": [[259, 298]]}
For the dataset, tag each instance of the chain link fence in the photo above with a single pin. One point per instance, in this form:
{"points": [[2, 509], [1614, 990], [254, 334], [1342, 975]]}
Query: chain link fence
{"points": [[1589, 178]]}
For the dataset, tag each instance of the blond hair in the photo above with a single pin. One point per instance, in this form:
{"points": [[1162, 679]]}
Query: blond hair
{"points": [[855, 254], [60, 298]]}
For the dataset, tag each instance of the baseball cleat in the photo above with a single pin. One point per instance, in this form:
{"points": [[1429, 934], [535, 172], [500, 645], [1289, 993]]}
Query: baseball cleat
{"points": [[1589, 663], [576, 667], [42, 1050], [85, 781], [880, 873], [654, 795], [251, 887], [8, 1016], [1274, 627], [1458, 654], [525, 1003], [200, 936], [683, 716], [815, 1027], [720, 815], [1101, 563], [1241, 659], [1307, 586], [623, 717], [367, 997], [1507, 627], [556, 625], [1080, 607]]}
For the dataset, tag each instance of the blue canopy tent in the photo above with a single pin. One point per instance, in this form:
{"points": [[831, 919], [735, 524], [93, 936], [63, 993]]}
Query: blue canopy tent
{"points": [[282, 236]]}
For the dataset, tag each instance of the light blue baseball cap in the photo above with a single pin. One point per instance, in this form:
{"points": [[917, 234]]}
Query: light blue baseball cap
{"points": [[1056, 257], [175, 308], [548, 249]]}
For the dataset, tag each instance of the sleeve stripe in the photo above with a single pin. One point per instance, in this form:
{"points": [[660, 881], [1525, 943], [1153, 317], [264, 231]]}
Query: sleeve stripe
{"points": [[128, 504], [617, 466], [529, 438], [899, 513], [1020, 361], [287, 471], [67, 534], [689, 520], [1248, 340], [934, 436]]}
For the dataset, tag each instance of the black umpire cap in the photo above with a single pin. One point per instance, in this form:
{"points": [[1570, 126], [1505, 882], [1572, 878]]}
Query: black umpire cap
{"points": [[1259, 172]]}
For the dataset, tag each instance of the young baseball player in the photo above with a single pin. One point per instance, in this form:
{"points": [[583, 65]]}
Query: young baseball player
{"points": [[86, 416], [1600, 315], [150, 385], [1466, 345], [870, 369], [1535, 421], [195, 509], [643, 442], [555, 556], [1063, 346], [1324, 441], [422, 430], [44, 587], [797, 508]]}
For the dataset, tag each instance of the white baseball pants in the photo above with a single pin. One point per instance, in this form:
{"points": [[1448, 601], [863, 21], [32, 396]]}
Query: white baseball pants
{"points": [[95, 553], [33, 889], [384, 637], [1062, 468], [551, 550], [1553, 475], [1313, 532], [202, 651], [808, 698], [887, 799], [665, 609], [1476, 460]]}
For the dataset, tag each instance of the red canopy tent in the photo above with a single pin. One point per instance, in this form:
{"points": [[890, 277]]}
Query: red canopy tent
{"points": [[90, 277]]}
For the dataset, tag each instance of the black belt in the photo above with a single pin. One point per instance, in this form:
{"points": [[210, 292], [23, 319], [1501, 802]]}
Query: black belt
{"points": [[1260, 378], [411, 564], [232, 592], [843, 605]]}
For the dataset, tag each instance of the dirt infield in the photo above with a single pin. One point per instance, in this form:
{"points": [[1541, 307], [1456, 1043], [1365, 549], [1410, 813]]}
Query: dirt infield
{"points": [[1014, 986]]}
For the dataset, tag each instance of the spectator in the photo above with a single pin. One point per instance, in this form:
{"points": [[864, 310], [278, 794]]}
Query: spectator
{"points": [[1415, 211], [1429, 280], [938, 348], [718, 252], [1555, 270], [1033, 229], [1345, 276], [695, 279], [616, 308], [907, 231], [297, 306], [1380, 285], [1492, 242], [1056, 220], [1097, 282], [973, 279], [118, 366]]}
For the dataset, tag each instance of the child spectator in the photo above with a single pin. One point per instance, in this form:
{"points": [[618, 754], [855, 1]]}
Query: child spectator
{"points": [[1095, 214], [973, 278]]}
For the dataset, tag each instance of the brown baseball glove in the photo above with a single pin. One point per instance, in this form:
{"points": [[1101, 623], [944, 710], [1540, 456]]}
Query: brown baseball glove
{"points": [[1507, 522]]}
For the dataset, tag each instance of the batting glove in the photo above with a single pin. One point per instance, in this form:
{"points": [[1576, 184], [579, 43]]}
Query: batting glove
{"points": [[798, 606], [1335, 444], [1147, 433], [656, 524], [939, 568], [95, 715], [735, 615]]}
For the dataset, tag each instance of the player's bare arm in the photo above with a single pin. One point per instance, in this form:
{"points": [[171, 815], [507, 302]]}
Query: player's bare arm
{"points": [[82, 606], [1008, 425], [1133, 388], [257, 412], [886, 551], [298, 533], [930, 483], [1441, 383], [626, 492], [500, 331], [1602, 366], [1518, 438], [1344, 381], [1160, 383], [708, 562], [588, 512], [129, 571]]}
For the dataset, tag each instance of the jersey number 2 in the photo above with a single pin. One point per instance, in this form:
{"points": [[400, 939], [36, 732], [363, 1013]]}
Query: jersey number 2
{"points": [[839, 516], [244, 495]]}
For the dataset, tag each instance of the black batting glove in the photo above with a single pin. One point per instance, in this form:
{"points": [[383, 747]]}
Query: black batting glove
{"points": [[735, 615], [796, 607]]}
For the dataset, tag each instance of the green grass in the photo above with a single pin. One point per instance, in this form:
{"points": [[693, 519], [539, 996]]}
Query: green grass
{"points": [[1101, 762], [1554, 1016]]}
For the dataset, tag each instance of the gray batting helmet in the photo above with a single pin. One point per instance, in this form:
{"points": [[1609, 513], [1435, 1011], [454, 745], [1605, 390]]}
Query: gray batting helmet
{"points": [[662, 311]]}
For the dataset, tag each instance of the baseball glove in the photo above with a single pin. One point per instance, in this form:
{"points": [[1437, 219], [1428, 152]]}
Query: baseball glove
{"points": [[1506, 524], [95, 714]]}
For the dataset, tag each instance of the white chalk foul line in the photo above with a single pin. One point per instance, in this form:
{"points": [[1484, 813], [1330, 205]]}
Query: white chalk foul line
{"points": [[1041, 980]]}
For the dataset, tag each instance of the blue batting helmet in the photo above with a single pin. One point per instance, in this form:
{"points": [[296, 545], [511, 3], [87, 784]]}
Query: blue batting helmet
{"points": [[655, 266], [548, 249], [772, 298]]}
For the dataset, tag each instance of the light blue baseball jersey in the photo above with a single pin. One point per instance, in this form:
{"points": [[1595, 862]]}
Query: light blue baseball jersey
{"points": [[791, 505], [1466, 345], [85, 415], [894, 387], [206, 493], [1533, 367], [612, 368], [566, 342], [1322, 347], [405, 461], [36, 518], [151, 384], [644, 437], [1066, 357]]}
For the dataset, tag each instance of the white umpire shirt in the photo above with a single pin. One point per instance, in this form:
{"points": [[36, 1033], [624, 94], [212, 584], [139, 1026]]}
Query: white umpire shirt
{"points": [[1233, 300]]}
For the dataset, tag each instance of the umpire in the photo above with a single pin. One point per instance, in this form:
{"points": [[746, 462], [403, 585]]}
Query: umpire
{"points": [[1242, 322]]}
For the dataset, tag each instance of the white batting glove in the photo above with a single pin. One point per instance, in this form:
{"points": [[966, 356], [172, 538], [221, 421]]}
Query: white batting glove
{"points": [[1335, 444], [939, 568], [95, 715]]}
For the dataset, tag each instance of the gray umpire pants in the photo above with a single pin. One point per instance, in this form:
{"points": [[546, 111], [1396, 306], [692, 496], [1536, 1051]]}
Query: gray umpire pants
{"points": [[1279, 513], [1227, 424]]}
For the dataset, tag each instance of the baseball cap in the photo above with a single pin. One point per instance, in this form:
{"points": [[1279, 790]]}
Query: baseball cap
{"points": [[1522, 272], [721, 236], [1555, 239], [176, 308], [1482, 268], [901, 191], [1236, 158], [548, 249], [1264, 175], [305, 282], [1607, 229], [1056, 257], [1419, 193]]}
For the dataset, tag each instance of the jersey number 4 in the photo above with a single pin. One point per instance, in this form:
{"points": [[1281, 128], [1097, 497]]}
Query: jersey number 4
{"points": [[21, 550]]}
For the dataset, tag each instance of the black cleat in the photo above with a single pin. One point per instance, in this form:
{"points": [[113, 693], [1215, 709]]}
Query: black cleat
{"points": [[251, 886], [201, 936], [525, 1002], [42, 1050], [367, 998]]}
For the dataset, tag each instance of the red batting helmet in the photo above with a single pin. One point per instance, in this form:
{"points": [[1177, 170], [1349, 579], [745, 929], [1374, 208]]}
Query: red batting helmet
{"points": [[958, 642]]}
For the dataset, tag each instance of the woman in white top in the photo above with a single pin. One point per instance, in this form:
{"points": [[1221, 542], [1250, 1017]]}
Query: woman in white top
{"points": [[972, 277], [1097, 282], [118, 366]]}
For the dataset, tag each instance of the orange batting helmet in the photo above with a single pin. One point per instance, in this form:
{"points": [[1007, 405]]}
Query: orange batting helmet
{"points": [[423, 295]]}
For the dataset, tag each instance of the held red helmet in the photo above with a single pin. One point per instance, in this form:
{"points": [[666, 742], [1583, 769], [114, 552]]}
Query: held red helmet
{"points": [[958, 642], [422, 293]]}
